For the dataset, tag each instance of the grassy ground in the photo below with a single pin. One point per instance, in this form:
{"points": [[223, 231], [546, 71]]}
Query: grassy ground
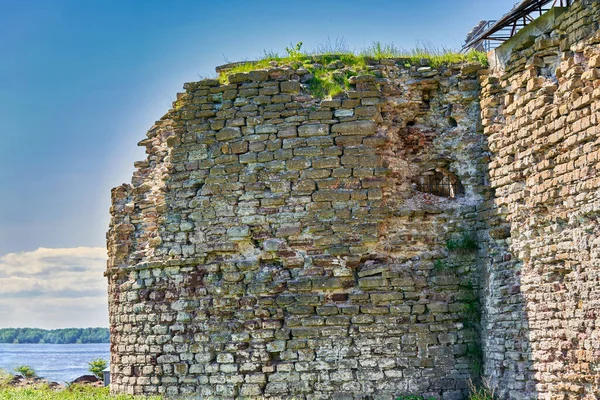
{"points": [[43, 392], [75, 392]]}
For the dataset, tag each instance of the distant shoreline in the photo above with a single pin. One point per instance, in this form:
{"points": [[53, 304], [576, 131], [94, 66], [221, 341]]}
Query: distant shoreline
{"points": [[61, 343], [54, 336]]}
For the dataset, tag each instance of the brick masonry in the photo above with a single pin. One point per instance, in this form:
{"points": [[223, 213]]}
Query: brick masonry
{"points": [[274, 244], [540, 113]]}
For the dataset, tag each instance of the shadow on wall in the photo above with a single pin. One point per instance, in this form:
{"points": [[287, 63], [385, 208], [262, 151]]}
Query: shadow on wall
{"points": [[540, 117], [507, 355]]}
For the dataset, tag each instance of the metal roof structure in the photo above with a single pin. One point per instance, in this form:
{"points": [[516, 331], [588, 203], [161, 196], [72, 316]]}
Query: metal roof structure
{"points": [[489, 32]]}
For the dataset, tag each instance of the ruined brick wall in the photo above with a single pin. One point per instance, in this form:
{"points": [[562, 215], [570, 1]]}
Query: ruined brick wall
{"points": [[540, 111], [274, 244]]}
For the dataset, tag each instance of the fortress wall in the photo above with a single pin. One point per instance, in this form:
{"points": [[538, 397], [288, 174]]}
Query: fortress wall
{"points": [[274, 244], [541, 113]]}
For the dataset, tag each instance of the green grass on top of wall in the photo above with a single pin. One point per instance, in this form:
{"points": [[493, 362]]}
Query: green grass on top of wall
{"points": [[328, 82]]}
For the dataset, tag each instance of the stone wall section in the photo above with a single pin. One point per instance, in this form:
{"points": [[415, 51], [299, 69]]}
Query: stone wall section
{"points": [[541, 113], [274, 244]]}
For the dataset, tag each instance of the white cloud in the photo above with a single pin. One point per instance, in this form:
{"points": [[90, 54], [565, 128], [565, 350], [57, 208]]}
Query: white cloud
{"points": [[54, 288]]}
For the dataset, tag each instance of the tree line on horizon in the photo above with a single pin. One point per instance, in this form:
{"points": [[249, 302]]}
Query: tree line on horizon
{"points": [[54, 336]]}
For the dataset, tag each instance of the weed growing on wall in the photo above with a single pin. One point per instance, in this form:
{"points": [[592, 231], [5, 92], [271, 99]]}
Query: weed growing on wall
{"points": [[464, 242], [441, 266]]}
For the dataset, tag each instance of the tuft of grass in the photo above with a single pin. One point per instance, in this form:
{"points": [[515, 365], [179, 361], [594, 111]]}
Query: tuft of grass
{"points": [[463, 242], [378, 51], [73, 392], [270, 54], [327, 83], [434, 56], [339, 46], [414, 397]]}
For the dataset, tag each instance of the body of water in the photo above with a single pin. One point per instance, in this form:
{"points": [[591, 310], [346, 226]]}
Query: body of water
{"points": [[55, 362]]}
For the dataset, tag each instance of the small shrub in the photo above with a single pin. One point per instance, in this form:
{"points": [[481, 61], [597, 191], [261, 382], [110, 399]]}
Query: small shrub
{"points": [[294, 52], [97, 366], [26, 371], [440, 265], [464, 242]]}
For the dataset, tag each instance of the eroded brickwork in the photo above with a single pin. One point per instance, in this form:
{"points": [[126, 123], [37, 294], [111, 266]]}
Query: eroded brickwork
{"points": [[541, 114], [276, 245]]}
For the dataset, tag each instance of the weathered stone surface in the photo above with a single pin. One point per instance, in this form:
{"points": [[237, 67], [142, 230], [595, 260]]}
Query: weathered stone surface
{"points": [[355, 128], [275, 245], [541, 118], [313, 130], [239, 77]]}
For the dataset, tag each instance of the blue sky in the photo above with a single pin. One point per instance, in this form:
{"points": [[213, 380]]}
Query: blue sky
{"points": [[82, 81]]}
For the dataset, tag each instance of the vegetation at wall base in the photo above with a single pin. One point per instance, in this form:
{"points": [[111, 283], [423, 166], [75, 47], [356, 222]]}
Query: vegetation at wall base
{"points": [[42, 391], [481, 391], [73, 392]]}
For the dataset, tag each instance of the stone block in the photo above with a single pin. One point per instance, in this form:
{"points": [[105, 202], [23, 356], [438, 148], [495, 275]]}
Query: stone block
{"points": [[331, 195], [259, 75], [229, 133], [313, 130], [238, 77], [251, 390], [363, 128], [225, 358], [265, 129], [289, 86]]}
